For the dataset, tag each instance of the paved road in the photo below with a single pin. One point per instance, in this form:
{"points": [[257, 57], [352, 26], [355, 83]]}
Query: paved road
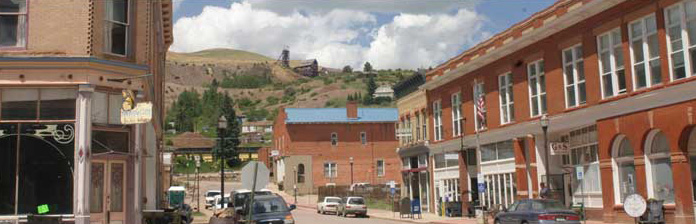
{"points": [[205, 186], [310, 216]]}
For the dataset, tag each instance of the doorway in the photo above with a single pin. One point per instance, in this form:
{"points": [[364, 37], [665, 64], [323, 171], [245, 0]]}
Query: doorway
{"points": [[107, 192]]}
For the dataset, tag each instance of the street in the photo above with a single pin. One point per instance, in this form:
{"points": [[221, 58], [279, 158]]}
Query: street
{"points": [[306, 215]]}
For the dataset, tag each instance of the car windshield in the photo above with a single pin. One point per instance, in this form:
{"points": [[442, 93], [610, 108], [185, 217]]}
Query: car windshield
{"points": [[240, 198], [547, 205], [333, 200], [356, 201], [269, 206], [212, 194]]}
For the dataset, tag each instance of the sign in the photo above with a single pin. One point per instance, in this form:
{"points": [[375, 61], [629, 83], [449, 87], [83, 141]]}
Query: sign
{"points": [[198, 160], [559, 148], [392, 184], [579, 173], [42, 209], [167, 158], [403, 132], [262, 176], [275, 153], [481, 187], [142, 113], [451, 156], [393, 191], [415, 206], [634, 205]]}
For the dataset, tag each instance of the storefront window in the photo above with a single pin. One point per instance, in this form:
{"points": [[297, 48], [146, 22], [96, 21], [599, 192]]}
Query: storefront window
{"points": [[500, 189], [444, 160], [660, 167], [497, 151], [44, 104], [626, 171], [584, 157]]}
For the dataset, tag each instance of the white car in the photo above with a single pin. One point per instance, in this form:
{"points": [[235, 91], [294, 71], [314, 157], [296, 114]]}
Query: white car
{"points": [[328, 204], [210, 198], [221, 205]]}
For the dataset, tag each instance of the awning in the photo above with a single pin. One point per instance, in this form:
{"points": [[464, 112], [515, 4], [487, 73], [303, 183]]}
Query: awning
{"points": [[413, 150]]}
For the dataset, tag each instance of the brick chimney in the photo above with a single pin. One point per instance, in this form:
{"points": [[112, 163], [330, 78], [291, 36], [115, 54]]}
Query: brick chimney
{"points": [[352, 109]]}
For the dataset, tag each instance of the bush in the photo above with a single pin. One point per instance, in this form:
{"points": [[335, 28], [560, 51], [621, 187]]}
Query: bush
{"points": [[272, 100]]}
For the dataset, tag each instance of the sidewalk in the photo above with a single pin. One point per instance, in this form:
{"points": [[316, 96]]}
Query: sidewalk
{"points": [[309, 202]]}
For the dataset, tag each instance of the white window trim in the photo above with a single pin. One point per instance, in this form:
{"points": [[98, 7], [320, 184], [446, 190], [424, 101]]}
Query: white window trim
{"points": [[576, 82], [646, 51], [437, 120], [509, 101], [612, 64], [128, 27], [456, 114], [536, 76], [615, 162], [648, 156], [384, 168], [684, 40]]}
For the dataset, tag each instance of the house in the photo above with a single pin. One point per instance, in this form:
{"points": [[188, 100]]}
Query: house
{"points": [[307, 68], [384, 91], [76, 77], [335, 146], [593, 97], [191, 143]]}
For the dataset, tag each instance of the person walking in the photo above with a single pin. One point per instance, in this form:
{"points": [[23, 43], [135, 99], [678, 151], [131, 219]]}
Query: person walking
{"points": [[545, 192]]}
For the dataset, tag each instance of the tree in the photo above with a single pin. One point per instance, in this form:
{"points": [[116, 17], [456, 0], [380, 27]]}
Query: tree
{"points": [[371, 88], [350, 97], [347, 69], [186, 109], [367, 67], [231, 137]]}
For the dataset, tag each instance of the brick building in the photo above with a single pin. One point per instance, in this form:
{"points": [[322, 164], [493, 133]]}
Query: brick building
{"points": [[314, 146], [618, 89], [63, 72]]}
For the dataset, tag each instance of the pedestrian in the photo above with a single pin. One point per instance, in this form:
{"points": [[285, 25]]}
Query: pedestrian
{"points": [[545, 192]]}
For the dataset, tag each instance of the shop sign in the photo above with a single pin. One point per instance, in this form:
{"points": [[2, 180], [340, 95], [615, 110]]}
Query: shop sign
{"points": [[167, 158], [559, 148], [140, 114], [451, 156], [403, 132], [275, 153]]}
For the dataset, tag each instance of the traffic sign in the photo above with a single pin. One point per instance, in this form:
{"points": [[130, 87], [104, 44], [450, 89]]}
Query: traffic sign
{"points": [[262, 176], [482, 187], [579, 173]]}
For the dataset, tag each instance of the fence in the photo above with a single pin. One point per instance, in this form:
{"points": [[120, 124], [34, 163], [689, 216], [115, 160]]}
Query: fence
{"points": [[376, 192]]}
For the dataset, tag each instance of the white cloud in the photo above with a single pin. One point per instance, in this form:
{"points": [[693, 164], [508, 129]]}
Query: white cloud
{"points": [[335, 38], [384, 6]]}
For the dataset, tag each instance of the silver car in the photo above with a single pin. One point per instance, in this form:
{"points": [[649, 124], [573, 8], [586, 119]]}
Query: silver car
{"points": [[533, 211], [352, 205]]}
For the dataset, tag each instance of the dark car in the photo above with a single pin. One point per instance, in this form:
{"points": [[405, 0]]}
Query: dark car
{"points": [[271, 209], [542, 211]]}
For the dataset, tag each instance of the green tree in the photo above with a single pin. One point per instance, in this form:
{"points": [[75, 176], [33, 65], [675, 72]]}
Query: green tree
{"points": [[367, 67], [188, 107], [347, 69], [231, 135], [371, 88]]}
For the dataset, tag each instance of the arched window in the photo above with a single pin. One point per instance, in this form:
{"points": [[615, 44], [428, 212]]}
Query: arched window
{"points": [[300, 173], [624, 169], [659, 168]]}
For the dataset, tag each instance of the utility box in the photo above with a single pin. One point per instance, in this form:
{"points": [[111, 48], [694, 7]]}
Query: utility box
{"points": [[176, 196]]}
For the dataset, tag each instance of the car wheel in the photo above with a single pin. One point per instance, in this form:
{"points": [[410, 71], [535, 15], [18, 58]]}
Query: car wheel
{"points": [[497, 221]]}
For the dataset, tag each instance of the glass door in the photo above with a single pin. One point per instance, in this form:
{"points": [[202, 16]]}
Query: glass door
{"points": [[107, 195]]}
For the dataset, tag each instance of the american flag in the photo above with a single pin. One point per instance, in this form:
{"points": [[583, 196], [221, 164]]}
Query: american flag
{"points": [[481, 109]]}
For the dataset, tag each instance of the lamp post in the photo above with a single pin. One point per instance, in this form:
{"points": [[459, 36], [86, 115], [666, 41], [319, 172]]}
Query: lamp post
{"points": [[222, 127], [351, 173], [295, 184], [544, 122]]}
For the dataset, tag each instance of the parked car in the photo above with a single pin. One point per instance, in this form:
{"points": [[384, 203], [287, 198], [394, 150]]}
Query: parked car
{"points": [[271, 209], [352, 206], [328, 204], [210, 198], [542, 211], [219, 205], [241, 197]]}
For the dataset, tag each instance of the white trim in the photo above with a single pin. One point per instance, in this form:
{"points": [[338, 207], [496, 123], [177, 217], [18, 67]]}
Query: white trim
{"points": [[127, 24], [649, 156], [646, 50], [574, 60], [615, 161], [538, 74], [505, 85], [437, 120], [613, 67], [456, 100]]}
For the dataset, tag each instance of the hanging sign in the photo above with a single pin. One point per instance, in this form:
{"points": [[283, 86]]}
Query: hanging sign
{"points": [[140, 114], [634, 205], [559, 148]]}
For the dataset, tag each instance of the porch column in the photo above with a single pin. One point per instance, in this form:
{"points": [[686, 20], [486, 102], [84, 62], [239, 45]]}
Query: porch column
{"points": [[531, 155], [137, 174], [464, 180], [83, 137], [521, 172]]}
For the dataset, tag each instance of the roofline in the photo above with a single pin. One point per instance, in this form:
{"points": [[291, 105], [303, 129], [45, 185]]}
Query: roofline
{"points": [[531, 34], [338, 122]]}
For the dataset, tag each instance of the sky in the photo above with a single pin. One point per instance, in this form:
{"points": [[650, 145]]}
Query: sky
{"points": [[390, 34]]}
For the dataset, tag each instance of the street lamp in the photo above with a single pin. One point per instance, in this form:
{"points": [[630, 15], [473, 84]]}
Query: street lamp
{"points": [[351, 172], [544, 122], [222, 127], [295, 184]]}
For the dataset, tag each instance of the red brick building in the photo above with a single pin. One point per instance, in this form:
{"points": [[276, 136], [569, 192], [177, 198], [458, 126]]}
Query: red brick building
{"points": [[618, 89], [315, 146]]}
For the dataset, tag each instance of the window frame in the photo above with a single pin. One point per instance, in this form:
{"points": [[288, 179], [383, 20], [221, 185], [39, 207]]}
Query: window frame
{"points": [[457, 117], [573, 62], [680, 7], [437, 120], [507, 102], [613, 69], [540, 96], [617, 161], [22, 28], [418, 126], [649, 157], [129, 18], [363, 138], [382, 168], [644, 38], [424, 126], [332, 166], [479, 91], [334, 139]]}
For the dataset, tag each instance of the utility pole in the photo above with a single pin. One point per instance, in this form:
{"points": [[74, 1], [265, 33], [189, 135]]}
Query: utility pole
{"points": [[222, 126]]}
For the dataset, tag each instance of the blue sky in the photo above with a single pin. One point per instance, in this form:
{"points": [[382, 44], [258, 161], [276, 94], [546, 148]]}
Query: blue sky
{"points": [[384, 32]]}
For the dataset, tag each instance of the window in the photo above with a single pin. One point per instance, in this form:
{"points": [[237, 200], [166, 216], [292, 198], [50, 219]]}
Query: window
{"points": [[497, 151], [406, 162], [409, 136], [106, 108], [507, 107], [456, 114], [42, 104], [363, 138], [424, 126], [380, 168], [645, 52], [501, 188], [334, 139], [116, 27], [624, 170], [537, 87], [418, 127], [611, 63], [300, 173], [437, 120], [659, 167], [480, 106], [680, 19], [330, 170], [471, 156], [584, 156], [423, 160], [444, 160], [574, 76], [13, 23]]}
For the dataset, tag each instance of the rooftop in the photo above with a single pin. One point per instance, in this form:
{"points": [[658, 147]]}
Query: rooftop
{"points": [[192, 140], [339, 115]]}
